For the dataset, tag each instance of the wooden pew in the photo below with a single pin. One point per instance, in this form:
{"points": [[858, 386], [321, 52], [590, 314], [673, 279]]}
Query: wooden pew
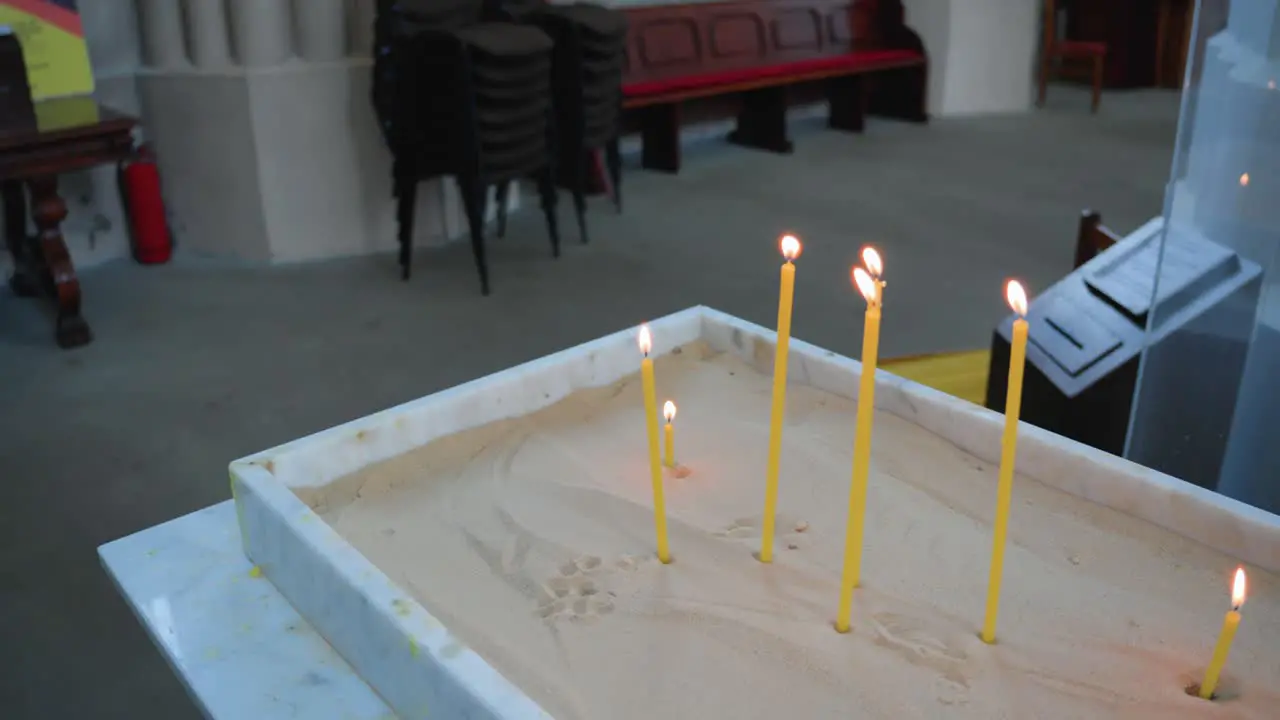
{"points": [[861, 51], [1092, 237]]}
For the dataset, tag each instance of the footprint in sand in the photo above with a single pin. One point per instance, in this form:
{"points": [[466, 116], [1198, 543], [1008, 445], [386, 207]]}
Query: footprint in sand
{"points": [[750, 528], [574, 594], [919, 646]]}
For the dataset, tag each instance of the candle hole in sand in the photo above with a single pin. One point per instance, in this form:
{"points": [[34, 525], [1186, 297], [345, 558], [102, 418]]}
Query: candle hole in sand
{"points": [[1227, 690]]}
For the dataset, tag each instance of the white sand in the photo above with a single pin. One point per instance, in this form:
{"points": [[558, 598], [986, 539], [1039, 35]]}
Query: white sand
{"points": [[533, 541]]}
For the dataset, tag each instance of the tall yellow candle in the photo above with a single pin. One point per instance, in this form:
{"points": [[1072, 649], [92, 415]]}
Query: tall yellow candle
{"points": [[871, 287], [669, 434], [790, 251], [1017, 297], [1223, 648], [651, 424]]}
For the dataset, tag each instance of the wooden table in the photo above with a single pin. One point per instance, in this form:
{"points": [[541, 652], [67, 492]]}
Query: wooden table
{"points": [[65, 135]]}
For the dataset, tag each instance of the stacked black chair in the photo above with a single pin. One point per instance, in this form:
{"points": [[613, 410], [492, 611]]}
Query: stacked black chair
{"points": [[590, 49], [458, 96]]}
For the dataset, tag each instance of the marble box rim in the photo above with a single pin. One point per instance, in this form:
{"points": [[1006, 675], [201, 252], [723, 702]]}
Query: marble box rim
{"points": [[401, 643]]}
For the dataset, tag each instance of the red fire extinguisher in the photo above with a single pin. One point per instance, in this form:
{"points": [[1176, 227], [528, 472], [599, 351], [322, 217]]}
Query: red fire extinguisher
{"points": [[144, 205]]}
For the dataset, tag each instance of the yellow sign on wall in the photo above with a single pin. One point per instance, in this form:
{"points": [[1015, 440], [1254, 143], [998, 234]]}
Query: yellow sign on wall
{"points": [[53, 46]]}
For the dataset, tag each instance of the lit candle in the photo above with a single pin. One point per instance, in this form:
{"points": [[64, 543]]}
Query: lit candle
{"points": [[651, 423], [1229, 625], [669, 413], [1017, 298], [790, 251], [872, 288]]}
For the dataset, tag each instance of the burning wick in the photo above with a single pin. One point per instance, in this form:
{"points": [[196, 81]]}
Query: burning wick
{"points": [[1017, 297], [644, 340], [868, 286], [1223, 648], [669, 413], [790, 246], [1244, 180]]}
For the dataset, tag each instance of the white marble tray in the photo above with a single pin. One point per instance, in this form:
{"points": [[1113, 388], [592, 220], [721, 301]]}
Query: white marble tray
{"points": [[422, 670]]}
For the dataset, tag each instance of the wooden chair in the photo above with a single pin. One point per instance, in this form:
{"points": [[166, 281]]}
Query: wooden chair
{"points": [[1068, 51], [1093, 237]]}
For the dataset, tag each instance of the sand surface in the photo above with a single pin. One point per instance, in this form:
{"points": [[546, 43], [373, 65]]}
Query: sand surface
{"points": [[532, 540]]}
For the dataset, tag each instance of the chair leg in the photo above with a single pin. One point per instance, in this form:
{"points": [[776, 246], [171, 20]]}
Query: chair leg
{"points": [[473, 199], [613, 158], [406, 192], [1044, 80], [547, 192], [503, 192], [1097, 82], [581, 173]]}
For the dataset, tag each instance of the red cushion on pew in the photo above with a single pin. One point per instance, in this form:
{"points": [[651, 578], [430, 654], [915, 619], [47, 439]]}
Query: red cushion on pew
{"points": [[862, 59], [1079, 48]]}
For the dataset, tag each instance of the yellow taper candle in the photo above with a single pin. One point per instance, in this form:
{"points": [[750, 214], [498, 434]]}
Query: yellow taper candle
{"points": [[645, 341], [669, 450], [790, 251], [1017, 298], [1223, 648], [872, 288]]}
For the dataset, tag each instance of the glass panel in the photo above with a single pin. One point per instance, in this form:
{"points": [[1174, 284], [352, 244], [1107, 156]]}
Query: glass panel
{"points": [[1207, 407]]}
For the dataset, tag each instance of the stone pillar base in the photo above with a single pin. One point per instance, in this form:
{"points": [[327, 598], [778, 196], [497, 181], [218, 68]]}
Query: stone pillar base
{"points": [[282, 164]]}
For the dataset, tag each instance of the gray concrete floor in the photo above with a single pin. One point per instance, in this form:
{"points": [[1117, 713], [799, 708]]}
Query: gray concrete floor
{"points": [[197, 363]]}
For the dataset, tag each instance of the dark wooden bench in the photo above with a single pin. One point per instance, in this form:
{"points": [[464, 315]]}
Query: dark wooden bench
{"points": [[757, 50]]}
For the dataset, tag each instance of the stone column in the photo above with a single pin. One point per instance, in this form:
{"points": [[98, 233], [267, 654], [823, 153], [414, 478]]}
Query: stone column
{"points": [[322, 29], [207, 33], [360, 15], [260, 32], [163, 39]]}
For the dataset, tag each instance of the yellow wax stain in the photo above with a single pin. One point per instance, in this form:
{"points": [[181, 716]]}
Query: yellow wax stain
{"points": [[306, 516], [413, 647], [256, 572], [361, 435], [401, 606]]}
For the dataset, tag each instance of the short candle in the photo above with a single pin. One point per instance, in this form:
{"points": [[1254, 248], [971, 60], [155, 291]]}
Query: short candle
{"points": [[872, 289], [669, 454], [645, 341], [790, 247], [1223, 648], [1017, 298]]}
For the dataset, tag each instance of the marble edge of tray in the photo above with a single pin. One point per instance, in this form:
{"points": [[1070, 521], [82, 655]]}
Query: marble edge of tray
{"points": [[419, 667]]}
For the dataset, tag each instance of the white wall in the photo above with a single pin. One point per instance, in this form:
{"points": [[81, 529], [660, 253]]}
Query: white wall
{"points": [[982, 53]]}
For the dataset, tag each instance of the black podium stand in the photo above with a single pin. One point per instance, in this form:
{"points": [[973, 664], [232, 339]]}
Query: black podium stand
{"points": [[1088, 331]]}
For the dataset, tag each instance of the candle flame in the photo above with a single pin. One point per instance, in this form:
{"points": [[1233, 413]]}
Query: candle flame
{"points": [[791, 247], [1017, 297], [1271, 84], [669, 410], [1237, 589], [867, 285], [645, 340], [872, 260], [1244, 180]]}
